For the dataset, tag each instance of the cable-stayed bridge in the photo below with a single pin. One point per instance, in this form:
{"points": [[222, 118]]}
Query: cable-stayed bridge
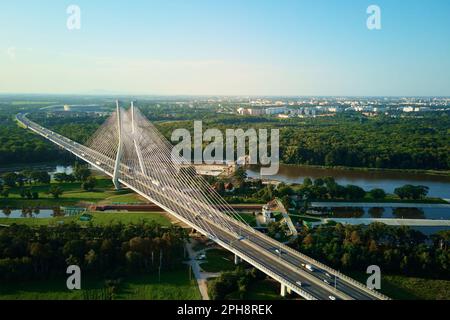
{"points": [[129, 149]]}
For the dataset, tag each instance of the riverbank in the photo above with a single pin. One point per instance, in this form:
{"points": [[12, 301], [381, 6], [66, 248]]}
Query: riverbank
{"points": [[445, 173], [388, 180]]}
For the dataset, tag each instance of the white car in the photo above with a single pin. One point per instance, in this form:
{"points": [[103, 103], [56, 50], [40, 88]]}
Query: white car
{"points": [[299, 283], [328, 275], [332, 297], [326, 281]]}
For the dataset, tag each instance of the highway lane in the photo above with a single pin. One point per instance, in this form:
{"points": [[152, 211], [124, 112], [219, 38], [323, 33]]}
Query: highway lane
{"points": [[318, 272], [269, 258]]}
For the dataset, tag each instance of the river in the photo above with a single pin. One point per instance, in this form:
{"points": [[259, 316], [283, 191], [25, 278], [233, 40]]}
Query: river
{"points": [[387, 180]]}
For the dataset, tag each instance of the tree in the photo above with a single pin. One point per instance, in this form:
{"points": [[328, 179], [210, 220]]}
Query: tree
{"points": [[307, 182], [70, 178], [411, 192], [55, 191], [41, 177], [10, 179], [319, 182], [60, 177], [284, 190], [220, 187], [377, 194], [5, 191], [355, 238], [308, 240], [81, 172], [89, 184], [355, 192]]}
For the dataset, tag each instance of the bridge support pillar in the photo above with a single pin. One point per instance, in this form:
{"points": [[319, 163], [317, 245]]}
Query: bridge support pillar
{"points": [[119, 150], [283, 290], [133, 131], [237, 260]]}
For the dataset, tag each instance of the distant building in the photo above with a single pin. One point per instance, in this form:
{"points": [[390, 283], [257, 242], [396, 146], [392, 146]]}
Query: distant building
{"points": [[66, 107], [256, 112], [408, 109], [334, 109], [251, 111], [274, 110], [241, 111]]}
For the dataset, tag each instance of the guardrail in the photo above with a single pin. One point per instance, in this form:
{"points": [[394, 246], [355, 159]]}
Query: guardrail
{"points": [[267, 271], [331, 270]]}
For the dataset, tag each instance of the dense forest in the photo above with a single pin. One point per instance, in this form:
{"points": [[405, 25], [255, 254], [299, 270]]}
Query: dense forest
{"points": [[29, 253], [20, 146], [350, 140], [398, 250], [344, 140]]}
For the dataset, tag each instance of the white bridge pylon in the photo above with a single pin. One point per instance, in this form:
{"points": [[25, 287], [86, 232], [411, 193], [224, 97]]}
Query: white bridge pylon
{"points": [[138, 151]]}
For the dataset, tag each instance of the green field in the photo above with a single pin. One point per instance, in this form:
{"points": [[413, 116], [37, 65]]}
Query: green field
{"points": [[249, 218], [99, 218], [174, 285], [218, 260], [264, 290], [399, 287], [73, 194]]}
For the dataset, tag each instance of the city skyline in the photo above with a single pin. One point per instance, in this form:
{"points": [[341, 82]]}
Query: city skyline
{"points": [[288, 48]]}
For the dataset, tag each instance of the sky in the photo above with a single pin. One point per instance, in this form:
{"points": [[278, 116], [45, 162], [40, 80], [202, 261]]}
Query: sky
{"points": [[226, 47]]}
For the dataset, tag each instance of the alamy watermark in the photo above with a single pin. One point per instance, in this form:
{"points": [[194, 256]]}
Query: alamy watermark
{"points": [[235, 147], [374, 18], [374, 281], [74, 19], [74, 280]]}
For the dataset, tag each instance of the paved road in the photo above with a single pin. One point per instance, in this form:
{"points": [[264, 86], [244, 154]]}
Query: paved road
{"points": [[201, 277], [254, 247]]}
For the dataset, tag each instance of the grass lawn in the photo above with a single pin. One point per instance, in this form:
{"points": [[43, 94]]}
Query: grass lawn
{"points": [[73, 194], [174, 285], [126, 197], [410, 288], [264, 290], [249, 218], [99, 218], [218, 260]]}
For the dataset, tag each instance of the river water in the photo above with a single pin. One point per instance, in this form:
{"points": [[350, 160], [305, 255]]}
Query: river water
{"points": [[387, 180], [34, 213]]}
